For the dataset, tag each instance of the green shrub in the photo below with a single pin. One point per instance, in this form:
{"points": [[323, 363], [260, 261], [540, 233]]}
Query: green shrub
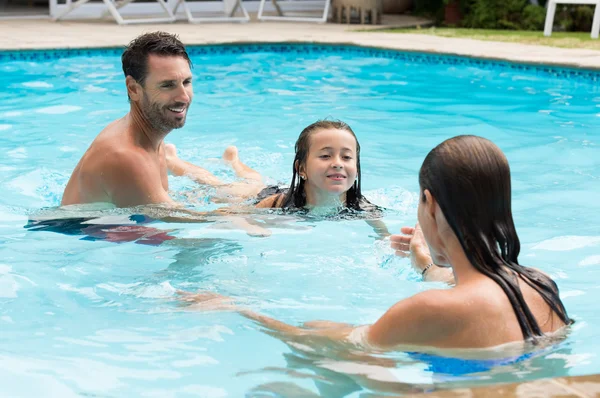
{"points": [[509, 14], [534, 18], [582, 18], [495, 14], [430, 8], [573, 18]]}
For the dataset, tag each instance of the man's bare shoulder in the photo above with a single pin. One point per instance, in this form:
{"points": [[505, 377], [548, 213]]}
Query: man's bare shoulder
{"points": [[129, 175], [114, 151], [122, 164]]}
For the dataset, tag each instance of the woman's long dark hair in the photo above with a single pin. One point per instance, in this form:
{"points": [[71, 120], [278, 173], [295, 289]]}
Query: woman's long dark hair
{"points": [[469, 177], [295, 197]]}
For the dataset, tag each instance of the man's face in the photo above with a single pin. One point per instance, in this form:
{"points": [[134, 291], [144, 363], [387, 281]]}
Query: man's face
{"points": [[167, 92]]}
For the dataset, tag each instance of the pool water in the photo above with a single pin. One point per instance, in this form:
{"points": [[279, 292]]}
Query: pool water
{"points": [[84, 316]]}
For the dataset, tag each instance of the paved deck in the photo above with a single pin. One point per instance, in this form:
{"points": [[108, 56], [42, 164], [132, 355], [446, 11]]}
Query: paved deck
{"points": [[43, 34]]}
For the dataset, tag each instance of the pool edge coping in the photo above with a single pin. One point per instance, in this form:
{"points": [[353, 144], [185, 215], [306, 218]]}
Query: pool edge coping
{"points": [[469, 58]]}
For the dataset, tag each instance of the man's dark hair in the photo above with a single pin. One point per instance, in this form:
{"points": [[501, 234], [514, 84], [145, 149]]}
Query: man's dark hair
{"points": [[135, 56]]}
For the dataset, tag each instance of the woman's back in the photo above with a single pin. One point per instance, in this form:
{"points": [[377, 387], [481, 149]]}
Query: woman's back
{"points": [[480, 315]]}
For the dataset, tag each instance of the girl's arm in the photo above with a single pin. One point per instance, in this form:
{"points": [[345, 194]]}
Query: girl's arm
{"points": [[379, 228], [273, 201]]}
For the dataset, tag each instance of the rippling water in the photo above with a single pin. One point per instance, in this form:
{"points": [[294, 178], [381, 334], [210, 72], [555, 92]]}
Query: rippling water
{"points": [[95, 317]]}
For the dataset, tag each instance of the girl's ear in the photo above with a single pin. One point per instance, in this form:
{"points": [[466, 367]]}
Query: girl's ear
{"points": [[300, 169]]}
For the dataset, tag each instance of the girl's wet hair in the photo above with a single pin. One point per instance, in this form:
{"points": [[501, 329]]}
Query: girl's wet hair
{"points": [[469, 177], [295, 196]]}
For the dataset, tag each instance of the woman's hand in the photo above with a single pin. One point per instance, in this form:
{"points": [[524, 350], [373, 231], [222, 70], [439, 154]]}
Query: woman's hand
{"points": [[207, 301], [412, 244]]}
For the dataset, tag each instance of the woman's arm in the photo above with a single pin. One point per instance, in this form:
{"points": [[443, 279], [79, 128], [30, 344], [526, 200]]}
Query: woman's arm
{"points": [[418, 320], [210, 301]]}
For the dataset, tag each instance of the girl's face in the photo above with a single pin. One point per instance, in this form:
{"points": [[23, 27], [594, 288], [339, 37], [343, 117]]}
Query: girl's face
{"points": [[330, 167]]}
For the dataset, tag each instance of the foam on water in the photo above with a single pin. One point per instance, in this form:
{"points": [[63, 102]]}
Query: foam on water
{"points": [[58, 109], [37, 85]]}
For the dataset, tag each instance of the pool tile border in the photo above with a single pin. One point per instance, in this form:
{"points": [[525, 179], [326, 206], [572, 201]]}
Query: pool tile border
{"points": [[314, 48]]}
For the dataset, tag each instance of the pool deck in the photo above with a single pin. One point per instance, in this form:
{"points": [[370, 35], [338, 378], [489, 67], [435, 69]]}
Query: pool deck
{"points": [[45, 34]]}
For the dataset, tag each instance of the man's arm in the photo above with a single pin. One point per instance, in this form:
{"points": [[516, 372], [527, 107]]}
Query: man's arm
{"points": [[129, 179], [179, 167]]}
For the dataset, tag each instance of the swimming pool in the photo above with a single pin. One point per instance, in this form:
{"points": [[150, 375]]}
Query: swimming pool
{"points": [[92, 317]]}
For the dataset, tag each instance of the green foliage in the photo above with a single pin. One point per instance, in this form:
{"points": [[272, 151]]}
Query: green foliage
{"points": [[533, 18], [430, 8], [495, 14], [509, 14], [574, 18], [581, 17]]}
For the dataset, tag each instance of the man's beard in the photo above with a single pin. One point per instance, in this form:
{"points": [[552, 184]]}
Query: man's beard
{"points": [[155, 114]]}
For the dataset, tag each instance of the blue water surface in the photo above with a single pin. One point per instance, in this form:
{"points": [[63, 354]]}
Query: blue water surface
{"points": [[91, 317]]}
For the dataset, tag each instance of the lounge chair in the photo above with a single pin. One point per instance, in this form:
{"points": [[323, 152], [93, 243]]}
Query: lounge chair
{"points": [[230, 7], [113, 8], [552, 10], [286, 16]]}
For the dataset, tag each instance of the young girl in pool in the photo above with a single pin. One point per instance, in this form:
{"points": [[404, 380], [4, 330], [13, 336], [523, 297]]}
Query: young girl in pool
{"points": [[325, 173], [468, 226]]}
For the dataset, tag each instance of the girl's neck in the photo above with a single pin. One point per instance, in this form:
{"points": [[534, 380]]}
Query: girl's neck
{"points": [[316, 199]]}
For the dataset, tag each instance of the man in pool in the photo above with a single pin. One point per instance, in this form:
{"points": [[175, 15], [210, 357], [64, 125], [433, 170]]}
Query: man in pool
{"points": [[125, 165]]}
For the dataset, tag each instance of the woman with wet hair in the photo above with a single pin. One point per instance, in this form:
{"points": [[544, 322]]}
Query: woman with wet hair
{"points": [[466, 219]]}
